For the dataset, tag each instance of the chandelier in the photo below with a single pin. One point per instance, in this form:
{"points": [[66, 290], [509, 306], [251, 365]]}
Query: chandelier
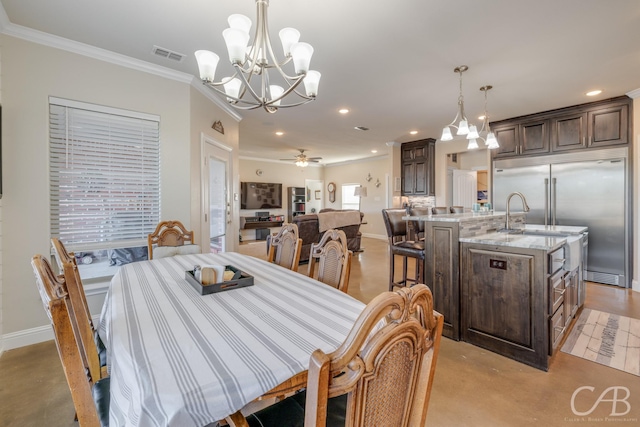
{"points": [[491, 141], [251, 85], [463, 127]]}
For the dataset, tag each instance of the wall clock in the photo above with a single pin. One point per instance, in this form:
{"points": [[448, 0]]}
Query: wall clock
{"points": [[331, 188]]}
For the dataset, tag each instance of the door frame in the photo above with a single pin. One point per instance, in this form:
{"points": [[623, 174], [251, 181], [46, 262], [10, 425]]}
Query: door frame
{"points": [[207, 140]]}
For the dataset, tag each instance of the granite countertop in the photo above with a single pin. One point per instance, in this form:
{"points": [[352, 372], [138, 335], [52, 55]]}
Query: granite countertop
{"points": [[526, 241], [457, 217], [546, 237]]}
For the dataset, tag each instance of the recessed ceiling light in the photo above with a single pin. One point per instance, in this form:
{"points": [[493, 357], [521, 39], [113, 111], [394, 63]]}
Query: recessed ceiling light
{"points": [[413, 132], [594, 92], [374, 151], [343, 110], [279, 133]]}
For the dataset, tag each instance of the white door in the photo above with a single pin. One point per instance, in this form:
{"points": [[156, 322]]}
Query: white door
{"points": [[465, 188], [215, 197]]}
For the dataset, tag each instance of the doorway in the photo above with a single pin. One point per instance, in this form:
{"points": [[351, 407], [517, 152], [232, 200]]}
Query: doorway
{"points": [[215, 195]]}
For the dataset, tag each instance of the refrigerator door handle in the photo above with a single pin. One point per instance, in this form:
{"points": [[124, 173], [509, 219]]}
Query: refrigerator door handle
{"points": [[546, 201], [553, 205]]}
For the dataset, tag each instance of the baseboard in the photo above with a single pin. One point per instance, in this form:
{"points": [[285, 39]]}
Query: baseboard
{"points": [[30, 336], [375, 236], [635, 286]]}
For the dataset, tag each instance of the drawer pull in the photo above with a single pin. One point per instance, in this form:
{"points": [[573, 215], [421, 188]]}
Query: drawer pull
{"points": [[560, 292], [559, 329], [562, 260]]}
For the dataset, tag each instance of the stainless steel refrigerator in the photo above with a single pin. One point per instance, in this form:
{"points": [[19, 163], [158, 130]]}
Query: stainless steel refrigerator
{"points": [[590, 188]]}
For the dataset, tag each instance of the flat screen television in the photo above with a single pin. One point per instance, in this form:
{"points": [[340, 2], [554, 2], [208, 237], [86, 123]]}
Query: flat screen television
{"points": [[260, 195]]}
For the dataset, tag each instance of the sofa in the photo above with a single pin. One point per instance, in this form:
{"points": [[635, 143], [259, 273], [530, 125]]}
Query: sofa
{"points": [[309, 232]]}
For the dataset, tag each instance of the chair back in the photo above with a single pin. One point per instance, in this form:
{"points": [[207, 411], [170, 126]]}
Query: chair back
{"points": [[169, 233], [285, 247], [456, 209], [395, 225], [333, 258], [418, 226], [385, 366], [437, 210], [55, 298], [78, 304]]}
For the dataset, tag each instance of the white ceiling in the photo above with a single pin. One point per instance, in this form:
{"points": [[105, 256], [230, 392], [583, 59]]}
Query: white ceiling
{"points": [[390, 62]]}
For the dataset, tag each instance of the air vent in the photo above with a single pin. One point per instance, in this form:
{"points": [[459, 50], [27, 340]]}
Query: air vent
{"points": [[166, 53], [361, 128]]}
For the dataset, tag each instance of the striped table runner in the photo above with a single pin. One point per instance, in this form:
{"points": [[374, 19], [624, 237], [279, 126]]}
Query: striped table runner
{"points": [[178, 358]]}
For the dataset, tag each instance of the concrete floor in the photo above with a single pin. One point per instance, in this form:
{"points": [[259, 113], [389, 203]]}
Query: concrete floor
{"points": [[472, 386]]}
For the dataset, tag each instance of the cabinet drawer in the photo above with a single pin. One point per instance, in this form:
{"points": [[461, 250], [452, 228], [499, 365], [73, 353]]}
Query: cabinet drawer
{"points": [[556, 328], [556, 260], [556, 291]]}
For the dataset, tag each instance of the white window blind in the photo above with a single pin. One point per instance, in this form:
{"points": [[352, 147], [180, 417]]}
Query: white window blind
{"points": [[104, 175]]}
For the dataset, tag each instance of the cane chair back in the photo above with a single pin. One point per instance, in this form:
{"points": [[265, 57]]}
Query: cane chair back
{"points": [[90, 394], [332, 258], [438, 210], [381, 375], [170, 234], [285, 247]]}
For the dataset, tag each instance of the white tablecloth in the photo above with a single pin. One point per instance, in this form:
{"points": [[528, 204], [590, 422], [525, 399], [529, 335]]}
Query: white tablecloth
{"points": [[178, 358]]}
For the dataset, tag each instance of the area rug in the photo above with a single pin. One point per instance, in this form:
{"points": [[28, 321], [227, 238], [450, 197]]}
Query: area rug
{"points": [[607, 339]]}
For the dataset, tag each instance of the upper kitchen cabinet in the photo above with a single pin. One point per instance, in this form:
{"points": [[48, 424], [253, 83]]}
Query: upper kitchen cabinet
{"points": [[594, 125], [522, 137], [418, 168]]}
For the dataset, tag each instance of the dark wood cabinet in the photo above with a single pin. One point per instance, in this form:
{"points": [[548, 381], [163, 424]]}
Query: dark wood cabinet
{"points": [[503, 301], [442, 272], [418, 168], [587, 126]]}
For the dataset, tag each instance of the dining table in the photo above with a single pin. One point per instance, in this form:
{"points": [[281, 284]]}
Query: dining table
{"points": [[180, 358]]}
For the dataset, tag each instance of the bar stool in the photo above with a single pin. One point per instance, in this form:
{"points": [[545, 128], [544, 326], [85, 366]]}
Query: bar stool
{"points": [[437, 210], [456, 209], [398, 245], [418, 226]]}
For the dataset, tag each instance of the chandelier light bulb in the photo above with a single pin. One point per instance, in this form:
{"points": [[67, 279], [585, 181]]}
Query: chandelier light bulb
{"points": [[311, 82], [236, 41], [301, 53], [473, 144], [463, 128], [446, 134], [473, 132], [288, 37], [207, 64], [276, 92], [239, 22], [232, 88]]}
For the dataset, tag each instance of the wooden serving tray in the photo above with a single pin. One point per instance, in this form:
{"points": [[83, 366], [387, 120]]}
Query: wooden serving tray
{"points": [[242, 281]]}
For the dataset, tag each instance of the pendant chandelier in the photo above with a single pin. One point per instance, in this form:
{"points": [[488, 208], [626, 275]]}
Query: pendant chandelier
{"points": [[463, 127], [251, 86], [490, 141]]}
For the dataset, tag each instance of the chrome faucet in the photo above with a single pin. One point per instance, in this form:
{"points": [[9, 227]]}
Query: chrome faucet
{"points": [[525, 206]]}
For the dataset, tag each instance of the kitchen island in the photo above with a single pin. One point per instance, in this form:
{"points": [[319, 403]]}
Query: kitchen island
{"points": [[514, 293]]}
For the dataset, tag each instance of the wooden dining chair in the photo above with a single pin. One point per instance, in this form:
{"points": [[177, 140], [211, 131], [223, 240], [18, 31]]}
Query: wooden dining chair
{"points": [[169, 239], [381, 375], [68, 267], [89, 392], [333, 259], [285, 247]]}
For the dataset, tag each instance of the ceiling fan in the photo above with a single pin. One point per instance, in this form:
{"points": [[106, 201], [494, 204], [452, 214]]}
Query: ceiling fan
{"points": [[302, 160]]}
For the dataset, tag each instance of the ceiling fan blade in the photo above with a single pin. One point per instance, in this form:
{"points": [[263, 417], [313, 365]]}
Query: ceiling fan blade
{"points": [[314, 158]]}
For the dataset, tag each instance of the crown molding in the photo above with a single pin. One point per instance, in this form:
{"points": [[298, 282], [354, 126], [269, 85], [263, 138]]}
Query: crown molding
{"points": [[46, 39], [634, 94], [364, 160]]}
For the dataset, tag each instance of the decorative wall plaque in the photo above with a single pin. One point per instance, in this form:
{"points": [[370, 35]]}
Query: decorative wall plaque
{"points": [[217, 125]]}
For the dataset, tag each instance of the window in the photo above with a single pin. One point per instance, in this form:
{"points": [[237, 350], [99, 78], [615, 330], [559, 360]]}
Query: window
{"points": [[349, 200], [104, 182]]}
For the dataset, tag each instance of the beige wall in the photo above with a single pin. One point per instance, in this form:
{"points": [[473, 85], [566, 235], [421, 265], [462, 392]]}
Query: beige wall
{"points": [[377, 198], [32, 73], [1, 328], [635, 216]]}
